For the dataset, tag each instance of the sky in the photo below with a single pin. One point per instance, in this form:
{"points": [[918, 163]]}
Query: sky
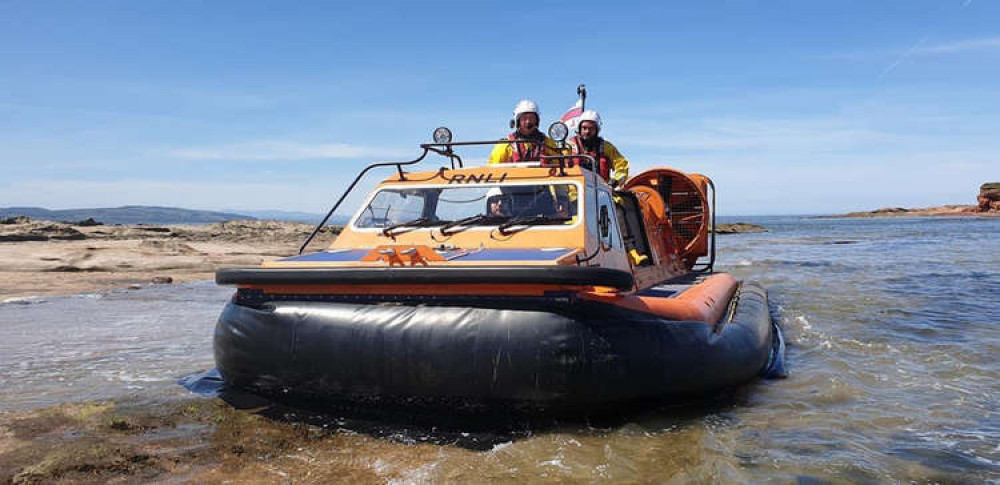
{"points": [[791, 107]]}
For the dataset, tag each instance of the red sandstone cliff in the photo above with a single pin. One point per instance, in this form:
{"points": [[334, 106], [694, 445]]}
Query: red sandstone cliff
{"points": [[989, 197]]}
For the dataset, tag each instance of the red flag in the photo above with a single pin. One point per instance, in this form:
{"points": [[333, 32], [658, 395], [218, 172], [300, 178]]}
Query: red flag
{"points": [[572, 116]]}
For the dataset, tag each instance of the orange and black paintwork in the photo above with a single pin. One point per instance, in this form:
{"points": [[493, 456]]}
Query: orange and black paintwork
{"points": [[602, 307]]}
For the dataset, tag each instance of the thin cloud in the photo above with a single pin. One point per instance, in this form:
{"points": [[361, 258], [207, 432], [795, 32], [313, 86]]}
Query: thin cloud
{"points": [[918, 49], [987, 43], [283, 151], [759, 135], [957, 47]]}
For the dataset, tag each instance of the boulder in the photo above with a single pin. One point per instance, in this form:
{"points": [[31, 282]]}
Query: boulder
{"points": [[88, 222], [989, 197], [890, 210], [15, 220]]}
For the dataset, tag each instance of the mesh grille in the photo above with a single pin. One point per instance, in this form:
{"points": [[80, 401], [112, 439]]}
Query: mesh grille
{"points": [[686, 212]]}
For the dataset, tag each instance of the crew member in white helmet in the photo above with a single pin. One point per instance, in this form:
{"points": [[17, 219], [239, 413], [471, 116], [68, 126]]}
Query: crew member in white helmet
{"points": [[610, 162], [497, 204], [526, 121]]}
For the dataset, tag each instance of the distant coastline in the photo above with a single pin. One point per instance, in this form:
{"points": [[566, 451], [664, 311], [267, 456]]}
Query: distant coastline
{"points": [[988, 206], [143, 214], [938, 211]]}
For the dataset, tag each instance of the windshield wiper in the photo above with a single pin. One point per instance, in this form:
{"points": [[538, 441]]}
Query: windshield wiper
{"points": [[530, 220], [418, 222], [469, 221]]}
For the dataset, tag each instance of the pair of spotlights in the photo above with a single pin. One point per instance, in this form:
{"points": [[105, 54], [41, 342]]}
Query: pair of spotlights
{"points": [[557, 131]]}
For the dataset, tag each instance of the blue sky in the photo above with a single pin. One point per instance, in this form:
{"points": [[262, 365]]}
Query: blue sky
{"points": [[790, 106]]}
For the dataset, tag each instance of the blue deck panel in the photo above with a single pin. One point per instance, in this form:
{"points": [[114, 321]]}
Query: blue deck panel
{"points": [[481, 255], [514, 255]]}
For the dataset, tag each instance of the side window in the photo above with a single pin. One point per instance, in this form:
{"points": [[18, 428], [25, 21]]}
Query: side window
{"points": [[591, 209], [390, 207], [606, 211]]}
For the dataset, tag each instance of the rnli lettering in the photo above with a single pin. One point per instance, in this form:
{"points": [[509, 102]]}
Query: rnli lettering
{"points": [[486, 178]]}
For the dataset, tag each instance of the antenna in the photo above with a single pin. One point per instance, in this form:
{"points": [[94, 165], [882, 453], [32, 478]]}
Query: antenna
{"points": [[581, 90]]}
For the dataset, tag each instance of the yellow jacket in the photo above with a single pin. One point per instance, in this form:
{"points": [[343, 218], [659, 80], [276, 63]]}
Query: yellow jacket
{"points": [[505, 152], [619, 164]]}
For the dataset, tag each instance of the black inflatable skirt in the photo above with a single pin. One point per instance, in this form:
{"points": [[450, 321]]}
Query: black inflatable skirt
{"points": [[566, 354]]}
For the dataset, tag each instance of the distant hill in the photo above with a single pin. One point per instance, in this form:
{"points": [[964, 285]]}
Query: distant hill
{"points": [[307, 217], [131, 214]]}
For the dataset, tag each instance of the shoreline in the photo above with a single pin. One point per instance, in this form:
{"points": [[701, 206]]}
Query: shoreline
{"points": [[43, 258]]}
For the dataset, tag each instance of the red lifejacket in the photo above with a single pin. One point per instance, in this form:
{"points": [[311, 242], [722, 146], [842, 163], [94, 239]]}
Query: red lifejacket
{"points": [[604, 163], [523, 154]]}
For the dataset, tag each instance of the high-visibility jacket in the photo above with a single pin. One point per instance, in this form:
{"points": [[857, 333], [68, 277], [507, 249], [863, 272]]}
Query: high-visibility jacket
{"points": [[611, 164], [522, 152]]}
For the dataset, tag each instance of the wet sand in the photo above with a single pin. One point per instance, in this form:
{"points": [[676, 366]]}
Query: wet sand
{"points": [[43, 258]]}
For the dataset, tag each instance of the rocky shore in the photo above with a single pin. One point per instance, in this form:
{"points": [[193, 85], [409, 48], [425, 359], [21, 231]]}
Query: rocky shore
{"points": [[54, 258], [987, 205]]}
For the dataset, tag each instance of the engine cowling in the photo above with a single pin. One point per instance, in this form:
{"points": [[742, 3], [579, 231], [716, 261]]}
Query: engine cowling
{"points": [[685, 199]]}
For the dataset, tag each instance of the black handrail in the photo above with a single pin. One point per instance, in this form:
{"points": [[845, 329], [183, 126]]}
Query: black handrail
{"points": [[399, 167], [710, 266], [587, 257], [471, 143], [711, 261]]}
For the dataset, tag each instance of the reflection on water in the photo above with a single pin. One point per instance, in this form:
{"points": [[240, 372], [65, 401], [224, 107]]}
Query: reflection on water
{"points": [[892, 352]]}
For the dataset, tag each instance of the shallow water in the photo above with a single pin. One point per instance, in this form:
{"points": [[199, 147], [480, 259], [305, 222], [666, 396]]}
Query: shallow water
{"points": [[124, 343], [891, 326]]}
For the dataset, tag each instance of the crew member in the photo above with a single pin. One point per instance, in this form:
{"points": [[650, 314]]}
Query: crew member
{"points": [[610, 162], [526, 120], [497, 204]]}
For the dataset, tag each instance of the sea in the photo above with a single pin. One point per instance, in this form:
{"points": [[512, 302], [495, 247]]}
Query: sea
{"points": [[893, 356]]}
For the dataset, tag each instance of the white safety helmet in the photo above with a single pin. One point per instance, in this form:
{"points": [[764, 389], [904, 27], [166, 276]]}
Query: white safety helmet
{"points": [[525, 106], [493, 191], [589, 115]]}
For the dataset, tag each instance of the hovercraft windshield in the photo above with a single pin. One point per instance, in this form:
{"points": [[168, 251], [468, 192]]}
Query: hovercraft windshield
{"points": [[468, 205]]}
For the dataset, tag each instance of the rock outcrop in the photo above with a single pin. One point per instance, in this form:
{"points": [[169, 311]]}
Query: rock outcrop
{"points": [[989, 197], [24, 229], [738, 228]]}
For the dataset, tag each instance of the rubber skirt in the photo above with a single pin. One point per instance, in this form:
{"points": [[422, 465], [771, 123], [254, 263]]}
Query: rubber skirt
{"points": [[564, 355]]}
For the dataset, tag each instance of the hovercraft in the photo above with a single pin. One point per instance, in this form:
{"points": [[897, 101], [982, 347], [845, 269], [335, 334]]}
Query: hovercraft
{"points": [[535, 285]]}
